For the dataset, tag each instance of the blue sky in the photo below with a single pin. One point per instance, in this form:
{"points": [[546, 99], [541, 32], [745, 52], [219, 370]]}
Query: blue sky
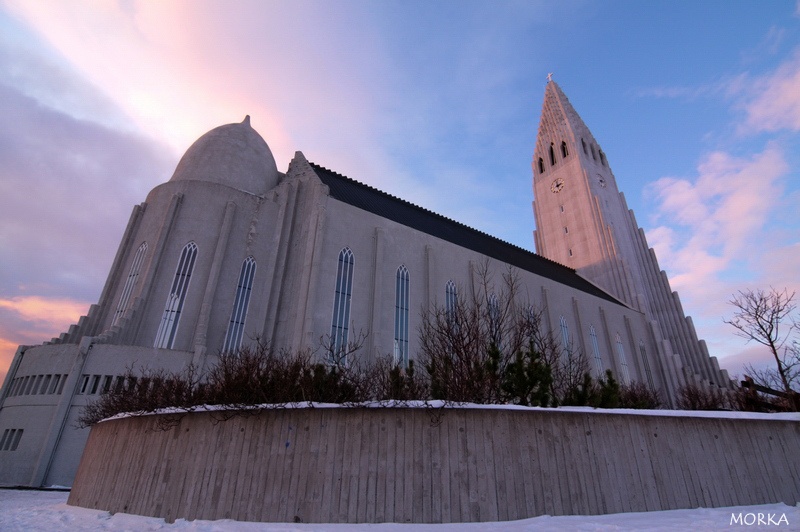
{"points": [[696, 104]]}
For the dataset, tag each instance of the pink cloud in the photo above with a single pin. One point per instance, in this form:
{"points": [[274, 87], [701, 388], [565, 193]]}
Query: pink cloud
{"points": [[775, 102], [757, 356], [30, 320], [45, 310], [714, 234]]}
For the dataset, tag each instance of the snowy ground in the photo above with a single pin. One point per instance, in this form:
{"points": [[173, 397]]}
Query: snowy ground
{"points": [[47, 511]]}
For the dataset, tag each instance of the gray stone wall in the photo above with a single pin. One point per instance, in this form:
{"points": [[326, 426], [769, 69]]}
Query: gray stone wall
{"points": [[398, 465]]}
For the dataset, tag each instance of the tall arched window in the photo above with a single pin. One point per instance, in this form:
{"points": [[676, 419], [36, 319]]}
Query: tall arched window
{"points": [[541, 165], [585, 151], [233, 338], [598, 361], [341, 305], [401, 317], [552, 155], [626, 377], [564, 333], [450, 298], [130, 282], [165, 337], [564, 151], [594, 155]]}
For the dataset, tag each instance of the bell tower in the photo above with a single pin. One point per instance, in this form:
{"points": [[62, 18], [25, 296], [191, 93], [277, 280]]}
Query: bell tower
{"points": [[583, 221]]}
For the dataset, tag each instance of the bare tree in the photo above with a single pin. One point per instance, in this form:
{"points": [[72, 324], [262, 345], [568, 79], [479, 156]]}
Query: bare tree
{"points": [[493, 347], [766, 317]]}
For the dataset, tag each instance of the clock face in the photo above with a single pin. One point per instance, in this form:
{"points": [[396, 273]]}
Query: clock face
{"points": [[557, 186], [601, 180]]}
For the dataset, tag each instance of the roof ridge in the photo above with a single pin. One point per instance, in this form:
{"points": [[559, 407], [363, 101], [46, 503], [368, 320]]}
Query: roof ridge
{"points": [[428, 211]]}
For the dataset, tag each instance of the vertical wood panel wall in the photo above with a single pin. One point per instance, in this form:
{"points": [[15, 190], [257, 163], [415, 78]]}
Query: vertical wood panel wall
{"points": [[395, 465]]}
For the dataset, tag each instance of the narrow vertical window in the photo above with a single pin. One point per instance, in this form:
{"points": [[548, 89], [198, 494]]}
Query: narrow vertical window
{"points": [[585, 151], [598, 361], [594, 155], [401, 317], [45, 384], [54, 384], [564, 151], [450, 299], [233, 338], [165, 337], [84, 384], [10, 439], [564, 333], [130, 282], [603, 158], [541, 165], [341, 305], [552, 155], [106, 384], [646, 364], [626, 378]]}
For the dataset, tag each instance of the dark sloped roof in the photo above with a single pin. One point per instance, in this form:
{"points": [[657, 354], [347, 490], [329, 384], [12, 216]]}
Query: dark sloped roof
{"points": [[390, 207]]}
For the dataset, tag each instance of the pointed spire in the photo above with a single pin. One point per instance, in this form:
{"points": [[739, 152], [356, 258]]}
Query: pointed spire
{"points": [[246, 120], [560, 123]]}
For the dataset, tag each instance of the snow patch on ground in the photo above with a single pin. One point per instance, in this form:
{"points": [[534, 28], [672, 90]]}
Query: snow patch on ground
{"points": [[29, 510]]}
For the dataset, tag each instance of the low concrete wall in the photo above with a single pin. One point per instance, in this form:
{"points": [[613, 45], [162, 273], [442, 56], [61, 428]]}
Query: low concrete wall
{"points": [[338, 465]]}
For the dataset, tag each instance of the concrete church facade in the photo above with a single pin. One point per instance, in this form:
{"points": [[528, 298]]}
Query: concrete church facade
{"points": [[230, 250]]}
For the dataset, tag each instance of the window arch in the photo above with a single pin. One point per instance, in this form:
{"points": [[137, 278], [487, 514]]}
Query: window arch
{"points": [[585, 151], [552, 155], [541, 165], [598, 361], [626, 378], [341, 304], [130, 282], [594, 155], [402, 286], [646, 363], [165, 337], [603, 157], [564, 332], [233, 338], [564, 151], [450, 298]]}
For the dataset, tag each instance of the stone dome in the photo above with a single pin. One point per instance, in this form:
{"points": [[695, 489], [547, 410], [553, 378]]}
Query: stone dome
{"points": [[234, 155]]}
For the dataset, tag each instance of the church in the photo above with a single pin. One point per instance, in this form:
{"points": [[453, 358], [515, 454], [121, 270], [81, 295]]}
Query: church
{"points": [[231, 249]]}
